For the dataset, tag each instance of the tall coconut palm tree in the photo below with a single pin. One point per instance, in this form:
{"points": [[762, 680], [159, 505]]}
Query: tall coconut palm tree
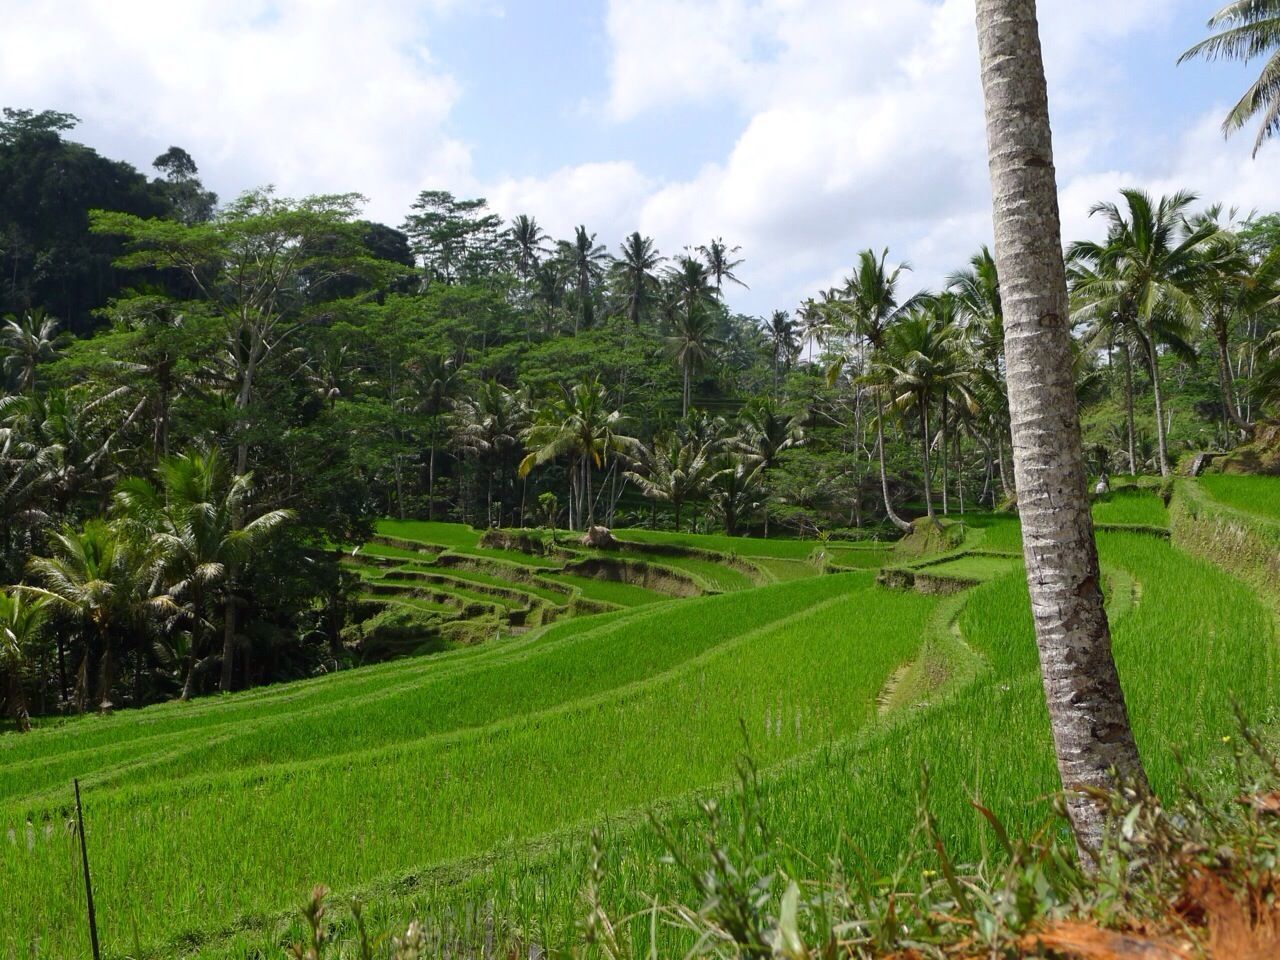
{"points": [[691, 336], [26, 343], [488, 425], [549, 293], [1106, 328], [868, 307], [719, 258], [435, 384], [637, 282], [736, 491], [921, 361], [783, 342], [976, 290], [675, 469], [1248, 30], [580, 426], [529, 241], [100, 580], [1233, 291], [1145, 272], [584, 260], [1090, 724], [764, 434], [21, 621], [195, 543]]}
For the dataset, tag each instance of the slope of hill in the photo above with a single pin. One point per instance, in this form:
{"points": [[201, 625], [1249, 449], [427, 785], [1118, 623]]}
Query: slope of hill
{"points": [[465, 784]]}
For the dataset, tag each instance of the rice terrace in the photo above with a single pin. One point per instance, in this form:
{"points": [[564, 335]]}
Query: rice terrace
{"points": [[479, 587]]}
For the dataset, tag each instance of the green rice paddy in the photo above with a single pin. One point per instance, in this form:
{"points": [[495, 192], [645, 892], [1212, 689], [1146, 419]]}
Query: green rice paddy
{"points": [[466, 783], [1258, 495]]}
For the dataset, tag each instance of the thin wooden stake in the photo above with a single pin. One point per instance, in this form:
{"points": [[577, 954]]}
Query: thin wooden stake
{"points": [[88, 884]]}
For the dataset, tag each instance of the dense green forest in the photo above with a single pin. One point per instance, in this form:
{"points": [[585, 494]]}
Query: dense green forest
{"points": [[203, 400]]}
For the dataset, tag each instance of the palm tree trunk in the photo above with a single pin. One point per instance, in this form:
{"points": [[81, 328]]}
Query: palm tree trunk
{"points": [[1128, 403], [431, 477], [399, 488], [684, 402], [1090, 724], [1162, 443], [106, 676], [228, 642], [1005, 490], [1227, 379], [197, 635], [892, 514], [17, 701], [942, 449], [62, 675], [988, 470], [924, 459]]}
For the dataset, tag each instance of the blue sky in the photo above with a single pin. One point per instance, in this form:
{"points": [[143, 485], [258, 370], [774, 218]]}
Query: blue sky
{"points": [[803, 130]]}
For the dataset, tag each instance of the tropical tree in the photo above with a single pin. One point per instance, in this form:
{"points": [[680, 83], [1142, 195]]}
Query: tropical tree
{"points": [[719, 258], [488, 425], [922, 362], [1145, 274], [580, 426], [261, 265], [25, 343], [868, 308], [676, 468], [1233, 290], [1248, 30], [100, 580], [976, 292], [529, 241], [735, 491], [692, 327], [637, 282], [584, 261], [435, 383], [190, 523], [21, 621], [764, 434], [784, 345], [1092, 738]]}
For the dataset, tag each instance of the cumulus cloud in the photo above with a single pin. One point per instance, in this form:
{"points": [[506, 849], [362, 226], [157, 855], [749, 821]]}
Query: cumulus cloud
{"points": [[312, 95], [862, 126], [854, 123]]}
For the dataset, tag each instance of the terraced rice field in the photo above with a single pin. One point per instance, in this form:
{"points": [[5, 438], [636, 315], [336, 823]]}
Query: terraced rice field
{"points": [[1131, 507], [1259, 495], [463, 786]]}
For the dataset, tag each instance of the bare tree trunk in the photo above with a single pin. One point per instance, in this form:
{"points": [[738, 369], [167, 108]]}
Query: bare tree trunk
{"points": [[1162, 443], [1227, 377], [892, 514], [1128, 402], [193, 653], [431, 477], [228, 642], [1090, 724], [924, 459], [1004, 479], [942, 448]]}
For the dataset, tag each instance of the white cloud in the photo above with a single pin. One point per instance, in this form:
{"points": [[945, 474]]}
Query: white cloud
{"points": [[603, 196], [863, 127], [858, 122], [313, 95]]}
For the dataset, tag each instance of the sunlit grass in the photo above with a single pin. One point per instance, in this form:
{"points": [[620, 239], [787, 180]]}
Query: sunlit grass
{"points": [[216, 816], [1260, 495]]}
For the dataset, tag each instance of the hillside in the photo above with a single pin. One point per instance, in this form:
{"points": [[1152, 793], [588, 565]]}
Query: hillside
{"points": [[464, 784]]}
